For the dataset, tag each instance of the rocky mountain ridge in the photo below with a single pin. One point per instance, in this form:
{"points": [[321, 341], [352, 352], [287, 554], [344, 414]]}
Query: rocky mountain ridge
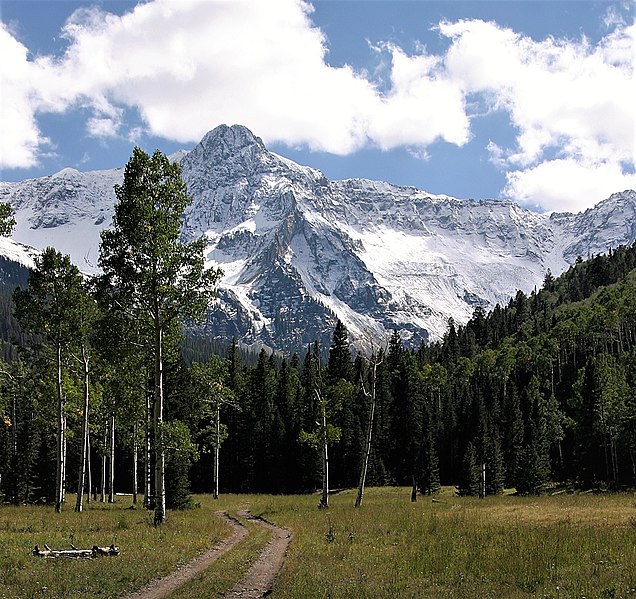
{"points": [[299, 251]]}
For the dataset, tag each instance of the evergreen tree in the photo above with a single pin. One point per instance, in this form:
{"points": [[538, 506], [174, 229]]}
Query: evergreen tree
{"points": [[339, 365], [262, 393], [406, 424], [236, 446], [494, 462], [429, 480], [513, 437], [534, 462], [469, 482], [451, 343]]}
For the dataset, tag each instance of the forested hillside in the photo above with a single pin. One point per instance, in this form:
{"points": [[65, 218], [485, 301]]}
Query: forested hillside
{"points": [[12, 275], [542, 390]]}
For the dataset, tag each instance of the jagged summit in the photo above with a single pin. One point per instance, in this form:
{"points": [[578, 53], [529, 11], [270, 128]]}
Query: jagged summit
{"points": [[232, 136], [235, 145], [228, 154], [299, 251]]}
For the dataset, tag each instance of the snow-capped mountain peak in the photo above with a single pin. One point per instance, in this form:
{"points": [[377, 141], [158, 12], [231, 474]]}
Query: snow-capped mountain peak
{"points": [[299, 251]]}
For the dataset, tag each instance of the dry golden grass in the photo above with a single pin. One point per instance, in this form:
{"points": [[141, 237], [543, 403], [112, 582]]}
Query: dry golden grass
{"points": [[588, 510], [505, 547], [146, 552], [561, 546]]}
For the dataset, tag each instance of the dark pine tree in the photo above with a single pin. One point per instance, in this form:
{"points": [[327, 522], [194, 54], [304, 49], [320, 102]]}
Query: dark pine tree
{"points": [[469, 482]]}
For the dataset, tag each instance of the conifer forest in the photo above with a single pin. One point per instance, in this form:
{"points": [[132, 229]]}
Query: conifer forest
{"points": [[106, 387]]}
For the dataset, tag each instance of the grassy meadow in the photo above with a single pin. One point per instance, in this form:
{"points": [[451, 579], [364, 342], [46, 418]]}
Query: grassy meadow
{"points": [[568, 545]]}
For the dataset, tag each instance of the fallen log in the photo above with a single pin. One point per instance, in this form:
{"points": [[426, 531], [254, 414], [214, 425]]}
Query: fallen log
{"points": [[109, 551], [95, 551]]}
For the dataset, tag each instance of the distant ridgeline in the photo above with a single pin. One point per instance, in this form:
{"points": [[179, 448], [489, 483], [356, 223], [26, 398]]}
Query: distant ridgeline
{"points": [[539, 392]]}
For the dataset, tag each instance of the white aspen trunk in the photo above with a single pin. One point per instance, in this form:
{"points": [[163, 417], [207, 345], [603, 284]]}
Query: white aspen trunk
{"points": [[147, 464], [607, 465], [63, 454], [89, 474], [217, 447], [102, 495], [134, 464], [81, 479], [482, 486], [111, 469], [614, 461], [59, 470], [160, 462], [324, 500], [552, 376], [365, 465], [14, 428]]}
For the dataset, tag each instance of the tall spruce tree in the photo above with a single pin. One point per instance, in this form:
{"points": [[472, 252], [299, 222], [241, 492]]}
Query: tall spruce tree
{"points": [[150, 275], [534, 463], [470, 481], [428, 470], [339, 364]]}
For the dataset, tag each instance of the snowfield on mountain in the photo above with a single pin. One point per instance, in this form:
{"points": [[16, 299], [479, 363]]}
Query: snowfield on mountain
{"points": [[300, 251]]}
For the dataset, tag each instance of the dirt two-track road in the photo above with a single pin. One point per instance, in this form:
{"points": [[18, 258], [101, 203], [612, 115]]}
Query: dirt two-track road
{"points": [[259, 578]]}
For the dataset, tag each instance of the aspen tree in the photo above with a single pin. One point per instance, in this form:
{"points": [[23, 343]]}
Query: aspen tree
{"points": [[150, 274], [57, 306]]}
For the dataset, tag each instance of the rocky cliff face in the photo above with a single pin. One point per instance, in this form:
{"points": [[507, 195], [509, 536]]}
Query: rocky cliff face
{"points": [[299, 251]]}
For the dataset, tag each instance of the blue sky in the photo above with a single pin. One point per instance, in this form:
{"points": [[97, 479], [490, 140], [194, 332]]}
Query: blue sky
{"points": [[528, 100]]}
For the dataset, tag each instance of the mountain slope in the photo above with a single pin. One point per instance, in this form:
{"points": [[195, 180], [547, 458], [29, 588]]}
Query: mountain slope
{"points": [[66, 210], [299, 250]]}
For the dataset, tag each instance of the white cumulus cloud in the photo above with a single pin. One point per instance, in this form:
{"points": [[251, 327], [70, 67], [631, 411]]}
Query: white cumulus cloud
{"points": [[567, 184], [421, 106], [20, 138], [187, 66], [571, 103]]}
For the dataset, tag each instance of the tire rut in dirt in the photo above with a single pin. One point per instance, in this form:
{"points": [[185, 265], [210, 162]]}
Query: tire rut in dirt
{"points": [[162, 587], [260, 577]]}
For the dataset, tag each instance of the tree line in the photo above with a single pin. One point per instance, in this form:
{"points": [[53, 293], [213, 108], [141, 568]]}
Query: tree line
{"points": [[106, 395]]}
